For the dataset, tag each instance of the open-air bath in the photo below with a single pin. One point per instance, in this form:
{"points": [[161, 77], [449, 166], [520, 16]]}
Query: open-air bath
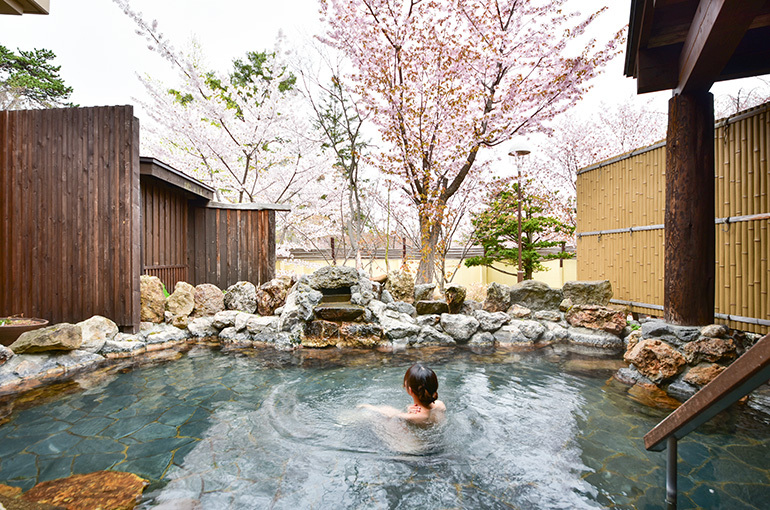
{"points": [[269, 429]]}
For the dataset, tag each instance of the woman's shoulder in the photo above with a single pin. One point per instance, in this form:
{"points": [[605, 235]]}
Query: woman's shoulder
{"points": [[438, 406]]}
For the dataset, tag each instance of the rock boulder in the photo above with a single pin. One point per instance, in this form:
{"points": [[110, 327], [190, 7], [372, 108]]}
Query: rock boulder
{"points": [[655, 359], [424, 291], [241, 296], [209, 300], [588, 292], [597, 317], [536, 295], [498, 298], [153, 301], [181, 304], [59, 337], [455, 297], [710, 349], [400, 285], [95, 331], [459, 327], [703, 374]]}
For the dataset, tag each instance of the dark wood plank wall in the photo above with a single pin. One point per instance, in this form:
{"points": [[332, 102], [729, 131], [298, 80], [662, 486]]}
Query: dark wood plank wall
{"points": [[69, 196], [230, 245], [164, 223]]}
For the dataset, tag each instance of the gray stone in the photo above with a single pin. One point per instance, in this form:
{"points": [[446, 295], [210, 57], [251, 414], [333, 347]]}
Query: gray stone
{"points": [[517, 311], [460, 327], [263, 329], [565, 304], [224, 319], [152, 300], [498, 298], [95, 331], [202, 327], [431, 336], [715, 331], [402, 307], [241, 296], [597, 292], [677, 336], [59, 337], [428, 320], [164, 333], [681, 390], [518, 334], [554, 333], [51, 366], [334, 277], [362, 298], [431, 307], [424, 291], [548, 315], [122, 347], [233, 336], [377, 308], [395, 329], [455, 297], [386, 297], [469, 306], [491, 321], [481, 338], [299, 307], [358, 335], [630, 376], [536, 295], [5, 354], [209, 300], [241, 318], [596, 338]]}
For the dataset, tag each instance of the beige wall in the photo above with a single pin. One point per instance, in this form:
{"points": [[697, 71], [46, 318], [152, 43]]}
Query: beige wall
{"points": [[469, 277]]}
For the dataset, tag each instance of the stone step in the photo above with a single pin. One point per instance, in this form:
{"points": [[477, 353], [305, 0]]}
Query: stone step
{"points": [[336, 298], [338, 312]]}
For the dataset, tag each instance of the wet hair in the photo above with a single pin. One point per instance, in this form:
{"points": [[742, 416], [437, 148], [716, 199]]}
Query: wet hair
{"points": [[423, 383]]}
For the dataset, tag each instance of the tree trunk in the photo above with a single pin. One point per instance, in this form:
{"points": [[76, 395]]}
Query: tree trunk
{"points": [[429, 236]]}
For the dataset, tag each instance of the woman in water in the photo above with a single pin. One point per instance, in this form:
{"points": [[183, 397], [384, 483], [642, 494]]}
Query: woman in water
{"points": [[421, 384]]}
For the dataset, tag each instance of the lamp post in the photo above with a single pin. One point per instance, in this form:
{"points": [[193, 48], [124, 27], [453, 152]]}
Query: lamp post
{"points": [[518, 151]]}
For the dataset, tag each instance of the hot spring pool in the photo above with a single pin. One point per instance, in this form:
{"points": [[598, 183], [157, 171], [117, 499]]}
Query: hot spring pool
{"points": [[265, 429]]}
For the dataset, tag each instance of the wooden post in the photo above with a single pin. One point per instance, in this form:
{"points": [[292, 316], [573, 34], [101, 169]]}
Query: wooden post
{"points": [[334, 255], [689, 216]]}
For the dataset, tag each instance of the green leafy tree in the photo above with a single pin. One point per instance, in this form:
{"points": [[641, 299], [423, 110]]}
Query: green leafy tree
{"points": [[497, 228], [29, 80]]}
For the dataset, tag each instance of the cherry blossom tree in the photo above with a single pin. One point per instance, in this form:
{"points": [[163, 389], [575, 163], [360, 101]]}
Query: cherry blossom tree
{"points": [[446, 80], [246, 132]]}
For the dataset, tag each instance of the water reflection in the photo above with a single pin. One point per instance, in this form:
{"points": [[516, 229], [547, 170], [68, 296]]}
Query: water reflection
{"points": [[266, 429]]}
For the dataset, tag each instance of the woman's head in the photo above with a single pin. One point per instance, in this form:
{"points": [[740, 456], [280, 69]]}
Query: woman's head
{"points": [[423, 383]]}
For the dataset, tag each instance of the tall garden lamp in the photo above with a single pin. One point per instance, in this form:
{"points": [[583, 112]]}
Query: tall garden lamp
{"points": [[518, 151]]}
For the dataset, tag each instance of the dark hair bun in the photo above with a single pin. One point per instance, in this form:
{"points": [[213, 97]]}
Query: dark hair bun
{"points": [[423, 383]]}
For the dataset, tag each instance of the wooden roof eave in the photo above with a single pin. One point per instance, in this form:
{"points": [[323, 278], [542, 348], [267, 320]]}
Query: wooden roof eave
{"points": [[19, 7], [688, 45]]}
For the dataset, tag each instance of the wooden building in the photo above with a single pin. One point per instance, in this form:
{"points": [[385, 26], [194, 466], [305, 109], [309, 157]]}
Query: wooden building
{"points": [[84, 216]]}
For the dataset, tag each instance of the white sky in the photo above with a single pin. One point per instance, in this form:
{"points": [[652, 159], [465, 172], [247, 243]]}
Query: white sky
{"points": [[100, 54]]}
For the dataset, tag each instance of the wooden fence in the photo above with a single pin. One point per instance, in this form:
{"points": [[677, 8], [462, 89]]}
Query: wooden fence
{"points": [[69, 196], [621, 205], [231, 242]]}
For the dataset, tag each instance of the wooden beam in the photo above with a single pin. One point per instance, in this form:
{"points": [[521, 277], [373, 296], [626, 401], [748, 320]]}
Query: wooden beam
{"points": [[746, 374], [657, 68], [716, 31], [689, 257]]}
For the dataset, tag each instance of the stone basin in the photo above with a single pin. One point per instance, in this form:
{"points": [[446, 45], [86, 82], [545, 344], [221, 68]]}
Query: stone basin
{"points": [[338, 312]]}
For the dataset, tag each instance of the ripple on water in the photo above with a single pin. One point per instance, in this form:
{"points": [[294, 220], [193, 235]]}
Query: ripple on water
{"points": [[255, 429]]}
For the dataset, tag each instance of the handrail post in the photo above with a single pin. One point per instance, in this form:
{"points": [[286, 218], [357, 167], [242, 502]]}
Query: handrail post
{"points": [[671, 473]]}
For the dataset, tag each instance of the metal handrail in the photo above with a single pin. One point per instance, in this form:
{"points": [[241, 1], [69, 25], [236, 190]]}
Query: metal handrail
{"points": [[745, 374]]}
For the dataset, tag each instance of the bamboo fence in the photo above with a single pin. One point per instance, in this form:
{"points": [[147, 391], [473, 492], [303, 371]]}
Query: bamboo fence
{"points": [[621, 204]]}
